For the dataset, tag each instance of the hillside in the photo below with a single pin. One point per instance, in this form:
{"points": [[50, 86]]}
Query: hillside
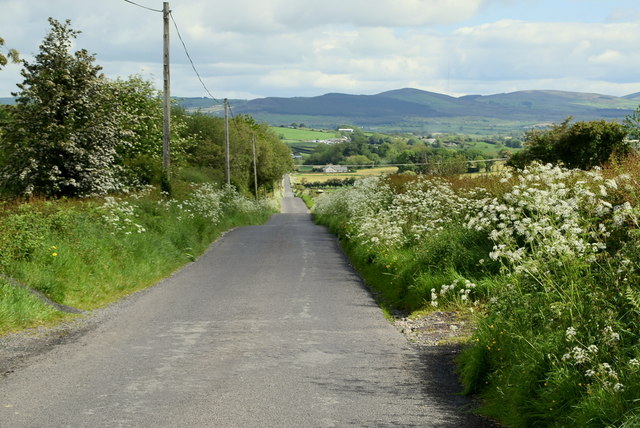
{"points": [[421, 111]]}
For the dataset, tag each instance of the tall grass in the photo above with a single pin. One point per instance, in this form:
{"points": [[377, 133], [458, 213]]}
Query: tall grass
{"points": [[549, 256], [86, 254], [20, 309]]}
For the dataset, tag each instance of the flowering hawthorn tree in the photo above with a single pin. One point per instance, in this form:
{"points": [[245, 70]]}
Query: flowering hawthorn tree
{"points": [[12, 55], [63, 137]]}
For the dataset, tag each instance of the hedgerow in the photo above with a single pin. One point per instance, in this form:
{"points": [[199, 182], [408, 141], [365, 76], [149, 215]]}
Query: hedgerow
{"points": [[549, 256]]}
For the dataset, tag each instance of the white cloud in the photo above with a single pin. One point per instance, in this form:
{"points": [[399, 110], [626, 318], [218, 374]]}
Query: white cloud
{"points": [[308, 47], [549, 50], [261, 16], [610, 58]]}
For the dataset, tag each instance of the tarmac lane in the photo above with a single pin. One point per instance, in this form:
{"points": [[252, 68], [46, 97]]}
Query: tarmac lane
{"points": [[271, 327]]}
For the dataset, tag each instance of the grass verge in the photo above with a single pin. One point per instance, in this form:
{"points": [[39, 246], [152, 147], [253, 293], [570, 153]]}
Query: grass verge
{"points": [[87, 254]]}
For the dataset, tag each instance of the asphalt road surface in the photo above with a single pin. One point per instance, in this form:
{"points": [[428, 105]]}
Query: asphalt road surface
{"points": [[270, 328]]}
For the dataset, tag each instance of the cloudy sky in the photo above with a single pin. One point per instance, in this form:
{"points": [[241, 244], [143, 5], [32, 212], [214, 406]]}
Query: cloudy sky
{"points": [[258, 48]]}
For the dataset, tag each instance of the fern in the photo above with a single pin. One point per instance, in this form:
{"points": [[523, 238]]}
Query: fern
{"points": [[634, 298]]}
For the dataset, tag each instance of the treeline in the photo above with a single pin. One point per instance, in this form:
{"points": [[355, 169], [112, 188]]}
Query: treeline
{"points": [[75, 133], [332, 182], [412, 154]]}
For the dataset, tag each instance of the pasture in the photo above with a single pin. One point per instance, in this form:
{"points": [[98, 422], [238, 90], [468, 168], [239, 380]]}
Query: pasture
{"points": [[320, 177], [301, 135]]}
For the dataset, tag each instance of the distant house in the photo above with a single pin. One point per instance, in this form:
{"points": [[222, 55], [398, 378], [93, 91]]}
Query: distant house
{"points": [[345, 130], [334, 168]]}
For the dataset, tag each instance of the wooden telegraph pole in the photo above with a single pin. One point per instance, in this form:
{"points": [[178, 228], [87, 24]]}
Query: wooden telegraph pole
{"points": [[226, 141], [166, 143], [255, 168]]}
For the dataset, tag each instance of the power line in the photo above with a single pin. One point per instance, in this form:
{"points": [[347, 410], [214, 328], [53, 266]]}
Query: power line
{"points": [[186, 51], [144, 7]]}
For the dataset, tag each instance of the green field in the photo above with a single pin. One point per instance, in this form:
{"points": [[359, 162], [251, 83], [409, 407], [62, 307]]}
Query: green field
{"points": [[315, 177], [488, 149], [300, 135]]}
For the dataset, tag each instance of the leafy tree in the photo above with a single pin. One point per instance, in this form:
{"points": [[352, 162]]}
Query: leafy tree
{"points": [[590, 144], [5, 115], [632, 124], [140, 150], [325, 154], [63, 138], [579, 145], [11, 55], [207, 133], [357, 160], [274, 157], [513, 143]]}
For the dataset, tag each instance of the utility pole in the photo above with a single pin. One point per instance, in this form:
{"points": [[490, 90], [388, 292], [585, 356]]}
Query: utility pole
{"points": [[226, 140], [255, 168], [166, 143]]}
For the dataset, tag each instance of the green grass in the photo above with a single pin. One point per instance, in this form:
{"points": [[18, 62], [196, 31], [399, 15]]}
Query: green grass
{"points": [[293, 135], [403, 277], [488, 149], [67, 250], [20, 309], [420, 126]]}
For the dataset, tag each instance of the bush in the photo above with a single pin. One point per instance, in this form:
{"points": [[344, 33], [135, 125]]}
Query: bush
{"points": [[581, 145]]}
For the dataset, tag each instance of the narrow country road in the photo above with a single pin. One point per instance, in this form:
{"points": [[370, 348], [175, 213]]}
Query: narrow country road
{"points": [[270, 328]]}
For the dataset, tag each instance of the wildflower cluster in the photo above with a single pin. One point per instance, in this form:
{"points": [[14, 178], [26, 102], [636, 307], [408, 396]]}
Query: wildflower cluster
{"points": [[381, 217], [459, 290], [588, 363], [206, 201], [552, 214], [120, 216]]}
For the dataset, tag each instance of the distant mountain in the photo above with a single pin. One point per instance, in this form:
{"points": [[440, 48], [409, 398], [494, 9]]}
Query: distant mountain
{"points": [[407, 103], [416, 110], [206, 105]]}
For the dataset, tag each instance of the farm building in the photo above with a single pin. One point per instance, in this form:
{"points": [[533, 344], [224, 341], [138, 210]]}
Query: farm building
{"points": [[334, 168]]}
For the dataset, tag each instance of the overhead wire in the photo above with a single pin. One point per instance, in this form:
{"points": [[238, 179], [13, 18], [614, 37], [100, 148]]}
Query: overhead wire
{"points": [[144, 7], [186, 51], [184, 46]]}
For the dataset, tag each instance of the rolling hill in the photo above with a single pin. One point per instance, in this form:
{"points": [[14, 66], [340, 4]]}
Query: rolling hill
{"points": [[417, 110]]}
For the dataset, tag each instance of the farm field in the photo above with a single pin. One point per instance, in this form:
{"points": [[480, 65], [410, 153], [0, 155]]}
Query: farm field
{"points": [[487, 148], [297, 135], [320, 177]]}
